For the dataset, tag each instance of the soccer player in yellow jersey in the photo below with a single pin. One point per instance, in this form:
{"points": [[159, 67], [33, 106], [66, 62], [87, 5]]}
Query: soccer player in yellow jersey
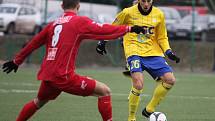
{"points": [[146, 51]]}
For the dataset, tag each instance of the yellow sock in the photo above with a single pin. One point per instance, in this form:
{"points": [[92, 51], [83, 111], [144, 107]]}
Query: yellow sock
{"points": [[159, 93], [130, 93], [134, 99], [130, 90]]}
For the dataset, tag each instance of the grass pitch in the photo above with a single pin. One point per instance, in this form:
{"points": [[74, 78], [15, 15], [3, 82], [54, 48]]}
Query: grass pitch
{"points": [[192, 98]]}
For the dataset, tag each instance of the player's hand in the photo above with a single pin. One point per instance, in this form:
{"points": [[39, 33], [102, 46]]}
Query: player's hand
{"points": [[101, 47], [137, 29], [9, 66], [172, 56]]}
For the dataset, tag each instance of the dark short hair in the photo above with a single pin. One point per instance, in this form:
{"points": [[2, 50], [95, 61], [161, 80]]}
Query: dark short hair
{"points": [[67, 4]]}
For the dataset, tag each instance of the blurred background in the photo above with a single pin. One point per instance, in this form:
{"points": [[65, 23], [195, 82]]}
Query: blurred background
{"points": [[190, 25], [191, 32]]}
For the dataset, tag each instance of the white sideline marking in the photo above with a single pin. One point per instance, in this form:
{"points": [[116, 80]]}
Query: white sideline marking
{"points": [[17, 91], [171, 96], [18, 84], [114, 94]]}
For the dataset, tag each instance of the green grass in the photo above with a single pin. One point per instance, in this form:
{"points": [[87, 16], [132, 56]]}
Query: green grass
{"points": [[192, 98]]}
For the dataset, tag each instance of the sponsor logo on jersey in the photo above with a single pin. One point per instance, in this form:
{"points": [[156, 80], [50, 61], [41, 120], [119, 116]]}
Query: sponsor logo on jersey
{"points": [[83, 85], [146, 34], [63, 19], [51, 53], [148, 30]]}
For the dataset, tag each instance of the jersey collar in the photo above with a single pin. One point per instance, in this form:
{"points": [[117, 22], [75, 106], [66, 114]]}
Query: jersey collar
{"points": [[143, 12], [69, 13]]}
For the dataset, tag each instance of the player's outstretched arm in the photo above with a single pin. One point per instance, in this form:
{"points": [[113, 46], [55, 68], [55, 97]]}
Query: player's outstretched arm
{"points": [[172, 56], [10, 66], [101, 44], [137, 29]]}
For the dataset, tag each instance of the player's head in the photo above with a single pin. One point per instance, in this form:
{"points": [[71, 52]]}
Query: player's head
{"points": [[71, 4], [145, 4]]}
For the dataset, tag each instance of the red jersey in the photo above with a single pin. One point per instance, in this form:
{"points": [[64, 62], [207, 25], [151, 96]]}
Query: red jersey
{"points": [[62, 39]]}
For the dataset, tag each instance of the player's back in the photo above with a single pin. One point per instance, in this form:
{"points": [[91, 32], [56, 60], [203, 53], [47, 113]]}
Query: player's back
{"points": [[61, 48], [63, 37]]}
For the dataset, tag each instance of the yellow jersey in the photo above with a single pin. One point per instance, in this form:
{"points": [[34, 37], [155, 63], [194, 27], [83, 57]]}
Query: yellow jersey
{"points": [[154, 42]]}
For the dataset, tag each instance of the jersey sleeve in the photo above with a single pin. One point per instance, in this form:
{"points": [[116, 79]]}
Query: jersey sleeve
{"points": [[32, 45], [92, 30], [120, 18], [162, 34]]}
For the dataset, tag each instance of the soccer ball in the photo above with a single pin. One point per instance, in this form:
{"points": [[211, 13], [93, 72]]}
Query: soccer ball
{"points": [[157, 116]]}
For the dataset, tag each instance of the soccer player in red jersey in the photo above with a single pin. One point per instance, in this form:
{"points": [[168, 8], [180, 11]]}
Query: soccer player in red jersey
{"points": [[62, 39]]}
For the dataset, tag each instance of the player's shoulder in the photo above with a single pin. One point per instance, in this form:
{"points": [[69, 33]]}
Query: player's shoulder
{"points": [[79, 18], [132, 8], [158, 11], [82, 19]]}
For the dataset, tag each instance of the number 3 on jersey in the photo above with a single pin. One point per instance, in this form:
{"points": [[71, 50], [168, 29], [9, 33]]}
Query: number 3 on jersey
{"points": [[55, 37]]}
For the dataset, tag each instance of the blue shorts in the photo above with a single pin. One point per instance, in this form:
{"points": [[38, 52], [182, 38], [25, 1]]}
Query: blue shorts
{"points": [[156, 66]]}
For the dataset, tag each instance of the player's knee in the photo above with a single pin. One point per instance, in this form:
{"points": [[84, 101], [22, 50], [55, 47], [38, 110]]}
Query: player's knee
{"points": [[106, 91], [40, 103], [170, 80], [138, 84]]}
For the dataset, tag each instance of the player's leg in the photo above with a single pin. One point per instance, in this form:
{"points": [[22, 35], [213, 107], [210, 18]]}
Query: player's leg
{"points": [[137, 86], [27, 111], [134, 96], [103, 93], [167, 81], [158, 69], [86, 86], [45, 93], [127, 73]]}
